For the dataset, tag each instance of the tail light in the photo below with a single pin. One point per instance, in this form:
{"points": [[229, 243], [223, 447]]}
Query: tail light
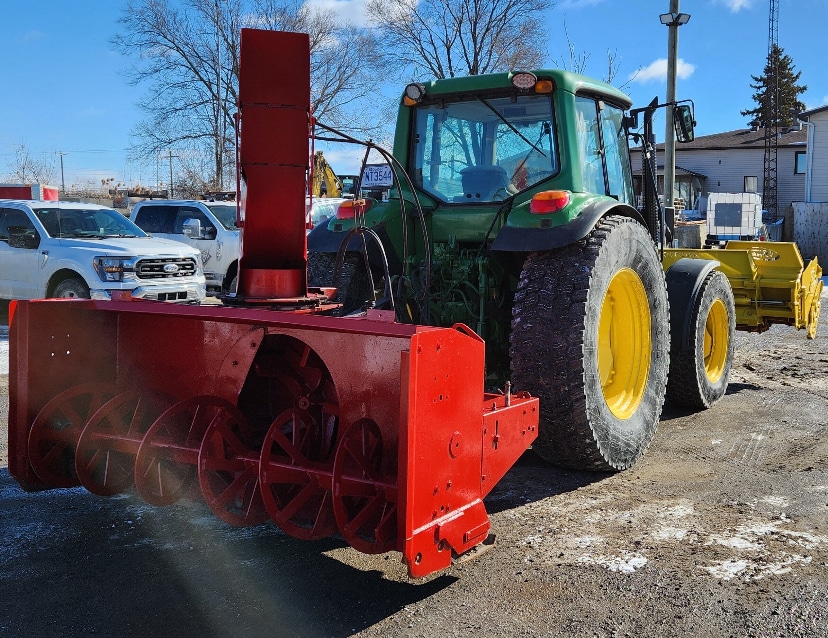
{"points": [[351, 208], [547, 202]]}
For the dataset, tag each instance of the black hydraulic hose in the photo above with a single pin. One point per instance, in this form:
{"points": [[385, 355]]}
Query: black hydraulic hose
{"points": [[417, 205]]}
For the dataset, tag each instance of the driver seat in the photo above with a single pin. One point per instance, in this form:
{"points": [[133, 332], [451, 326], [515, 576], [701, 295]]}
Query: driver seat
{"points": [[480, 183]]}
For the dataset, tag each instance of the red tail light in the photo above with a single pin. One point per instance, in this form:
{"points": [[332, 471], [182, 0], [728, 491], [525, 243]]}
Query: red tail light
{"points": [[352, 207], [549, 202]]}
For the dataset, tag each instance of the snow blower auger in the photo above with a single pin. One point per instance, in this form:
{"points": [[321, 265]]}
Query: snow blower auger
{"points": [[378, 431]]}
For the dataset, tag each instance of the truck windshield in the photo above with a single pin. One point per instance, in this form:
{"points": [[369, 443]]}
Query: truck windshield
{"points": [[95, 223], [226, 214], [484, 150]]}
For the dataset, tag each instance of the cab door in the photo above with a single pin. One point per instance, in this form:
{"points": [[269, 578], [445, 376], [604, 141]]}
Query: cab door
{"points": [[19, 255]]}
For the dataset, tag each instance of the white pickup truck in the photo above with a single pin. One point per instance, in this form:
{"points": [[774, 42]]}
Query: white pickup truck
{"points": [[66, 249], [209, 227]]}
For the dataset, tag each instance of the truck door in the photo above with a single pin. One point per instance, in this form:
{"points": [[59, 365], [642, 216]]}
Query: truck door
{"points": [[203, 239], [19, 255]]}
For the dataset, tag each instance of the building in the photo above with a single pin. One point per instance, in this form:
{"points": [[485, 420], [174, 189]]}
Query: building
{"points": [[816, 165], [734, 162]]}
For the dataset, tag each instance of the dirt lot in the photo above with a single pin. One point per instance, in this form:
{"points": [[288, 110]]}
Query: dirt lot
{"points": [[721, 530]]}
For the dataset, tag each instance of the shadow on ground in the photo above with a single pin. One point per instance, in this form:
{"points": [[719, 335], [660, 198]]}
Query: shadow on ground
{"points": [[77, 564]]}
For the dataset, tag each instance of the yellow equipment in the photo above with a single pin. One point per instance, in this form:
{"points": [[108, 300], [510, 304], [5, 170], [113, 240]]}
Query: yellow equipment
{"points": [[324, 181], [770, 283]]}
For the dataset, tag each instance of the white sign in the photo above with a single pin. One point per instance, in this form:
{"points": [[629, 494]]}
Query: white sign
{"points": [[377, 176]]}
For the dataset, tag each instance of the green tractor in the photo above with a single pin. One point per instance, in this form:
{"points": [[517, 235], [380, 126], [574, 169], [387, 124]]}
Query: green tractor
{"points": [[513, 212]]}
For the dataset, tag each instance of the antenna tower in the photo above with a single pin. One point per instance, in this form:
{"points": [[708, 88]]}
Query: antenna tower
{"points": [[771, 115]]}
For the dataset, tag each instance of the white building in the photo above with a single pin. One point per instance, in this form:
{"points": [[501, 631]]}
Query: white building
{"points": [[816, 166], [734, 162]]}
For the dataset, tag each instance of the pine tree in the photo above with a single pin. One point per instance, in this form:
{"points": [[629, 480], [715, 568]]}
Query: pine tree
{"points": [[765, 115]]}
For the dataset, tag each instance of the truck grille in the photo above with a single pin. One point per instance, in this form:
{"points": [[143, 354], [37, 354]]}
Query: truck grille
{"points": [[162, 268]]}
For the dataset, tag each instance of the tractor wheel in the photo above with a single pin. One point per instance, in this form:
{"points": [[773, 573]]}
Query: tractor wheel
{"points": [[699, 373], [591, 339], [354, 283]]}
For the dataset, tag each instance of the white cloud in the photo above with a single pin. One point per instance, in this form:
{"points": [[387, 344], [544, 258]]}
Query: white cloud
{"points": [[657, 71], [347, 11], [736, 5], [30, 36]]}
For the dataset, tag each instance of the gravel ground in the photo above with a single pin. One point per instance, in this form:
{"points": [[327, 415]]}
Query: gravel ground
{"points": [[721, 530]]}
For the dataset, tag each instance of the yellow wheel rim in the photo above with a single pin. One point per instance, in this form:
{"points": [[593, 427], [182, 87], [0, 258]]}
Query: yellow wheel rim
{"points": [[716, 338], [624, 343]]}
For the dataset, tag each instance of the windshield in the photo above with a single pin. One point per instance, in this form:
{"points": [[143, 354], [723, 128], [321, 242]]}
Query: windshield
{"points": [[484, 150], [226, 214], [86, 223]]}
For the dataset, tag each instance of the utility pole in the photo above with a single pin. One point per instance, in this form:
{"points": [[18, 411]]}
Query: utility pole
{"points": [[673, 21], [62, 180], [171, 156]]}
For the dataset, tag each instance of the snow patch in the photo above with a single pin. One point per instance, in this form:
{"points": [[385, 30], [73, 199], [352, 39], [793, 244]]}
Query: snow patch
{"points": [[754, 570], [776, 501], [668, 533], [626, 564]]}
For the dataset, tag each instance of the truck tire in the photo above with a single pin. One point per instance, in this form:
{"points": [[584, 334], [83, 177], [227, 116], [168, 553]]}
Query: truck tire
{"points": [[354, 285], [72, 288], [591, 338], [699, 373]]}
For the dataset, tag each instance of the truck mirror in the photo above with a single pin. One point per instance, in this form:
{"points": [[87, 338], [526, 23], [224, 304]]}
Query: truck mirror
{"points": [[683, 122], [22, 237], [191, 228]]}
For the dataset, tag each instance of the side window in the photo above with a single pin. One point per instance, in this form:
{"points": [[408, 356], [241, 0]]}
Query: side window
{"points": [[16, 220], [589, 145], [187, 212], [156, 219], [616, 154], [800, 162]]}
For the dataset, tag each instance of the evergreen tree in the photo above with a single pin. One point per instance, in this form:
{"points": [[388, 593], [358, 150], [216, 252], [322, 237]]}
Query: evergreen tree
{"points": [[779, 66]]}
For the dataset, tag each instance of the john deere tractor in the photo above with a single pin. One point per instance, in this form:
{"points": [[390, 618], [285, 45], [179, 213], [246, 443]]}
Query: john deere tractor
{"points": [[513, 212]]}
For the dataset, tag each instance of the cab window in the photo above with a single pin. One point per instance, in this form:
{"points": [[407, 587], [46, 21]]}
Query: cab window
{"points": [[13, 220]]}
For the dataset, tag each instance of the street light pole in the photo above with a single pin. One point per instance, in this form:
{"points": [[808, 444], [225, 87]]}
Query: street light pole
{"points": [[673, 21]]}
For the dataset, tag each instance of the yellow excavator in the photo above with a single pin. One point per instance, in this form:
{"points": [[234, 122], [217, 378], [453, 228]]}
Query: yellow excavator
{"points": [[325, 183]]}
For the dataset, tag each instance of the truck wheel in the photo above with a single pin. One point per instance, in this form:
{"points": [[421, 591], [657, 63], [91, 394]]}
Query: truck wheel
{"points": [[354, 284], [591, 338], [228, 286], [73, 288], [699, 373]]}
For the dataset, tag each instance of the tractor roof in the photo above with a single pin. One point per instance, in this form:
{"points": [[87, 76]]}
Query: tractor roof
{"points": [[562, 80]]}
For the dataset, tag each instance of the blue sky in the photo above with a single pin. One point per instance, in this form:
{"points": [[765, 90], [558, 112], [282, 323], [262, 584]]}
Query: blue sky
{"points": [[66, 92]]}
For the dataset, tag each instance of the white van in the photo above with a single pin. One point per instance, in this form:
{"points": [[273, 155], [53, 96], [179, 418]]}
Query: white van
{"points": [[68, 249], [209, 227]]}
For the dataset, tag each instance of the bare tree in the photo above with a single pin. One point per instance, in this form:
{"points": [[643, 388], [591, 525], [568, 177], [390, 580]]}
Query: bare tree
{"points": [[25, 169], [449, 38], [187, 53], [578, 62]]}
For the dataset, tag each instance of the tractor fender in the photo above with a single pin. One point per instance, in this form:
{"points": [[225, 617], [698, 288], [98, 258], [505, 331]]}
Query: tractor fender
{"points": [[322, 240], [514, 239], [684, 282]]}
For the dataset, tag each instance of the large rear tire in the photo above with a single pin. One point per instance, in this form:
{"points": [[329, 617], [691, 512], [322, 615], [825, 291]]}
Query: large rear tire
{"points": [[591, 339], [699, 373]]}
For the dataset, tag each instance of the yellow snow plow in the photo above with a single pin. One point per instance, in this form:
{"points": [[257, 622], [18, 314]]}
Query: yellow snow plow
{"points": [[771, 283]]}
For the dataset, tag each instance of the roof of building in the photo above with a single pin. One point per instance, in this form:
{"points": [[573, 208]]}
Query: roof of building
{"points": [[819, 109], [743, 138]]}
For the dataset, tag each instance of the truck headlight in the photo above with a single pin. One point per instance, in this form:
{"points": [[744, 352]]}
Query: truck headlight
{"points": [[109, 268]]}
